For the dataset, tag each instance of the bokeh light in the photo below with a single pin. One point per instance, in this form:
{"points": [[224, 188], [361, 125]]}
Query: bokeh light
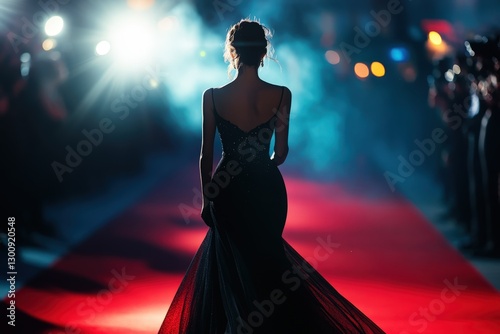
{"points": [[398, 54], [435, 38], [361, 70], [449, 75], [54, 26], [408, 72], [140, 4], [377, 69], [49, 44], [153, 83], [332, 57], [25, 57], [167, 23], [102, 48]]}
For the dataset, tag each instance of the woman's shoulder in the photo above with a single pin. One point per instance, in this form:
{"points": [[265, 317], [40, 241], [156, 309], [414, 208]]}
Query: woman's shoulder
{"points": [[265, 85], [211, 89], [286, 91], [273, 86]]}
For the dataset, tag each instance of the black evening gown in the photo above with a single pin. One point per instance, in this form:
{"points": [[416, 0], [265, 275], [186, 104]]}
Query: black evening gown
{"points": [[245, 278]]}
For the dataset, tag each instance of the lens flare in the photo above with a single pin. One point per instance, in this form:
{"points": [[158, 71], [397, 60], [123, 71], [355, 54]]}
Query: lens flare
{"points": [[132, 41]]}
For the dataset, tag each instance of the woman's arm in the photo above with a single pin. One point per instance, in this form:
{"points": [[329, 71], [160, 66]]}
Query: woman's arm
{"points": [[281, 130], [207, 143]]}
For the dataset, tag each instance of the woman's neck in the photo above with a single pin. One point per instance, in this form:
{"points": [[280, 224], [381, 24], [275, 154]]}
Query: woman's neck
{"points": [[247, 74]]}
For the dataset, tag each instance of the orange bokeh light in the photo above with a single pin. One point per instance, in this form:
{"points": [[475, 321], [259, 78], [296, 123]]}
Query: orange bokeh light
{"points": [[361, 70]]}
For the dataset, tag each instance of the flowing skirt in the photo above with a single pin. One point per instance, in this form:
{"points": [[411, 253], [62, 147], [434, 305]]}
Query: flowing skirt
{"points": [[246, 279]]}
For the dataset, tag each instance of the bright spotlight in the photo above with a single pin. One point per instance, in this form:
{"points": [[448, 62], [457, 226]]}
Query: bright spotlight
{"points": [[132, 41], [102, 48], [54, 26]]}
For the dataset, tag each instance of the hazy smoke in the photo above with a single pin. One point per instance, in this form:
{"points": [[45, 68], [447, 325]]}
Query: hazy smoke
{"points": [[316, 125]]}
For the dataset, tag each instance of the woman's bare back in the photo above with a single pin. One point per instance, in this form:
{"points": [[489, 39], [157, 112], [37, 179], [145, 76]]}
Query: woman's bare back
{"points": [[247, 106]]}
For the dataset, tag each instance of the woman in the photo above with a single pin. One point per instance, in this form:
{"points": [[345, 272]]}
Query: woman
{"points": [[245, 278]]}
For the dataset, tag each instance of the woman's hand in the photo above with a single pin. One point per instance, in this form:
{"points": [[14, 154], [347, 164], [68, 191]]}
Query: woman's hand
{"points": [[206, 214]]}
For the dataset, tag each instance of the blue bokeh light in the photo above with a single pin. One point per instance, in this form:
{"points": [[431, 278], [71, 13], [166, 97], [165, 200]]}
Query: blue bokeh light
{"points": [[399, 54]]}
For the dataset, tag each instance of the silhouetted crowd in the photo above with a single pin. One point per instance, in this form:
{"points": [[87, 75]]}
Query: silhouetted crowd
{"points": [[52, 140], [465, 89]]}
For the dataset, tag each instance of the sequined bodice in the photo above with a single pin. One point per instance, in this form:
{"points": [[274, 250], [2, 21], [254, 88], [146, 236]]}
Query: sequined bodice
{"points": [[245, 146]]}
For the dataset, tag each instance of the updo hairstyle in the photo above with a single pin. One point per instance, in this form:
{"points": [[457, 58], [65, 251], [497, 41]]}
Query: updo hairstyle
{"points": [[247, 43]]}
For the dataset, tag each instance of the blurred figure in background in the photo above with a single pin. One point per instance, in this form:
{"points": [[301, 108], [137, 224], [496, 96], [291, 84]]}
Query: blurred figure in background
{"points": [[443, 95], [466, 92], [487, 53], [11, 85], [39, 113]]}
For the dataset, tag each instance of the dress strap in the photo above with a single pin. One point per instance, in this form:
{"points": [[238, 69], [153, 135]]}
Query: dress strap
{"points": [[213, 100], [281, 98]]}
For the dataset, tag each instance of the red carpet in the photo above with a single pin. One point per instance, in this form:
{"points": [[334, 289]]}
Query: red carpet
{"points": [[389, 261]]}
